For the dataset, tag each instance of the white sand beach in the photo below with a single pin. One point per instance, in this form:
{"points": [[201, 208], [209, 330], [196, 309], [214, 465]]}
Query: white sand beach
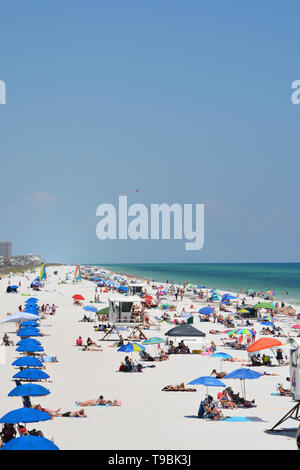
{"points": [[148, 417]]}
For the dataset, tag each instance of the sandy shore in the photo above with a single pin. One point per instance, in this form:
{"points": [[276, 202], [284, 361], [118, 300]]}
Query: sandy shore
{"points": [[148, 417]]}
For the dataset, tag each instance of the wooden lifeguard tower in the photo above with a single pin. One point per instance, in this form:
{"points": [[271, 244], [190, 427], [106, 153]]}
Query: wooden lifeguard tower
{"points": [[122, 313]]}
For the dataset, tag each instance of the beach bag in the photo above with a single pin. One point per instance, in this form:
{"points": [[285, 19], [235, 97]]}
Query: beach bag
{"points": [[117, 403]]}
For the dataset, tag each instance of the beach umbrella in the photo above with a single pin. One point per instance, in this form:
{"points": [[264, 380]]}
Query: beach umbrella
{"points": [[30, 348], [29, 390], [243, 374], [267, 323], [34, 299], [271, 292], [266, 305], [30, 443], [28, 342], [31, 374], [29, 331], [296, 327], [231, 332], [130, 347], [244, 331], [264, 343], [153, 340], [29, 323], [25, 415], [27, 361], [78, 297], [18, 317], [206, 310], [207, 381], [221, 355], [243, 310]]}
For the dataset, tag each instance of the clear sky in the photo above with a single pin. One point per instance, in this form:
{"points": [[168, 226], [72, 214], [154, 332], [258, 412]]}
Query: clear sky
{"points": [[189, 101]]}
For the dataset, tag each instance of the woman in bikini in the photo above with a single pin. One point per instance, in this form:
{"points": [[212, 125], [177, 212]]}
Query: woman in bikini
{"points": [[178, 388], [99, 401], [50, 412], [219, 375], [73, 414]]}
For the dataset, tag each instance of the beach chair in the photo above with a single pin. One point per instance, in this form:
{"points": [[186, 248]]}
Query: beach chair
{"points": [[201, 411]]}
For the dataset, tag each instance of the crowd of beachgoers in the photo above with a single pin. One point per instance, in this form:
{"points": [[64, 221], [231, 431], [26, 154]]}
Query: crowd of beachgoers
{"points": [[177, 338]]}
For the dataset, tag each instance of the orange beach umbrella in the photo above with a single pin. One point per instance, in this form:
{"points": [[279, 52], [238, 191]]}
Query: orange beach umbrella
{"points": [[264, 343]]}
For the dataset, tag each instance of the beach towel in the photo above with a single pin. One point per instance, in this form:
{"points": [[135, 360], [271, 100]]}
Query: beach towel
{"points": [[236, 419]]}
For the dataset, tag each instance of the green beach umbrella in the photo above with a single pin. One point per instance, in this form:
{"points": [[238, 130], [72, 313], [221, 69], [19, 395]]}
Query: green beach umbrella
{"points": [[265, 305]]}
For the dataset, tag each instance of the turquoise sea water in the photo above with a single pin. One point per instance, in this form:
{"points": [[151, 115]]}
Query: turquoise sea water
{"points": [[232, 276]]}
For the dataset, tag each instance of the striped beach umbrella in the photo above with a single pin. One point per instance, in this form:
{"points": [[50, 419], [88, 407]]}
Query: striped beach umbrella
{"points": [[153, 340], [130, 347]]}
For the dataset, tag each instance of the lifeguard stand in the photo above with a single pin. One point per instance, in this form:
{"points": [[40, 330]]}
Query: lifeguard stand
{"points": [[134, 289], [122, 314]]}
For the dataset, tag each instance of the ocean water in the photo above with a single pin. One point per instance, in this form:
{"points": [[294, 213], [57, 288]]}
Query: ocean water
{"points": [[279, 277]]}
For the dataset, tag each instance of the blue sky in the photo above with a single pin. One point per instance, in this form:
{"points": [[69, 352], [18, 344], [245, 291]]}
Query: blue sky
{"points": [[188, 101]]}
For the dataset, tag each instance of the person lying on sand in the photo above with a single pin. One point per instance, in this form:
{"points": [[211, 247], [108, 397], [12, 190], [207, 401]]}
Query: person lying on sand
{"points": [[219, 375], [233, 359], [178, 388], [99, 401], [86, 348], [46, 410], [73, 414]]}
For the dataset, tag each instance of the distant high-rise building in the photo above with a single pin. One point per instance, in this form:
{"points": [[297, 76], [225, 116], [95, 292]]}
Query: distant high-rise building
{"points": [[6, 249]]}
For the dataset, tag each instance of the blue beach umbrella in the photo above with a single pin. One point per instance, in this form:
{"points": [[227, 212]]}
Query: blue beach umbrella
{"points": [[30, 348], [25, 415], [243, 374], [29, 323], [206, 310], [221, 355], [30, 443], [27, 361], [28, 342], [207, 381], [29, 390], [31, 374], [267, 323], [29, 331]]}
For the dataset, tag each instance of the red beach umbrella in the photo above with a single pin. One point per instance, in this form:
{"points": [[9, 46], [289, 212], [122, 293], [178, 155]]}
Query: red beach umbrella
{"points": [[78, 297]]}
